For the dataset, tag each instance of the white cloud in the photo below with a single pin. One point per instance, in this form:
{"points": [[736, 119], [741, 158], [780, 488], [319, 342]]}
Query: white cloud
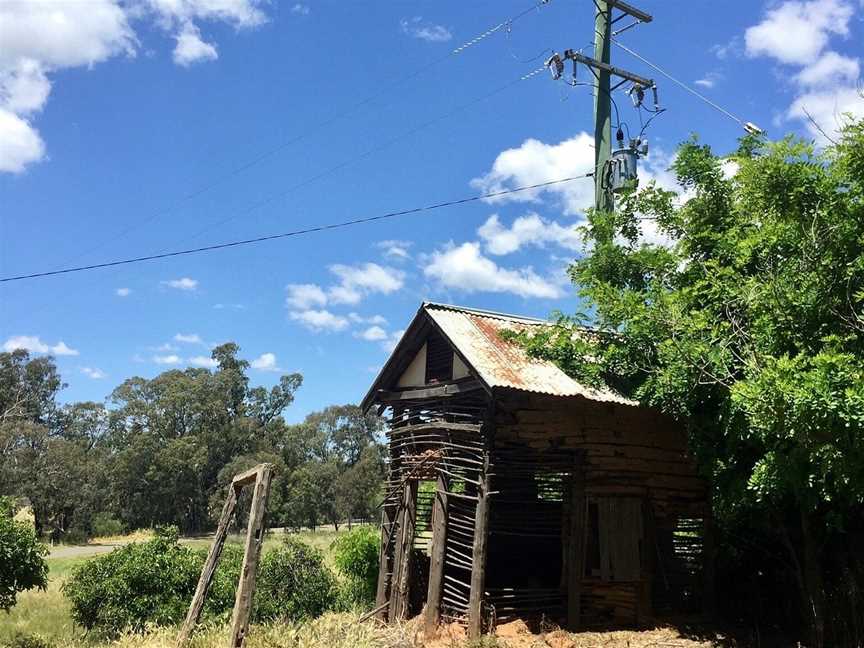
{"points": [[797, 32], [300, 9], [93, 372], [164, 348], [374, 319], [534, 162], [828, 108], [191, 338], [229, 306], [709, 80], [416, 27], [304, 296], [361, 280], [529, 229], [33, 344], [830, 69], [372, 334], [171, 359], [191, 48], [265, 362], [20, 144], [40, 37], [396, 250], [123, 292], [203, 361], [464, 268], [184, 283], [319, 320]]}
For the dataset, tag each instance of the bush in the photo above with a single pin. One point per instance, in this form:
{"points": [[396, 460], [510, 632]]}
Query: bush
{"points": [[356, 558], [21, 640], [105, 526], [22, 557], [294, 584], [147, 583]]}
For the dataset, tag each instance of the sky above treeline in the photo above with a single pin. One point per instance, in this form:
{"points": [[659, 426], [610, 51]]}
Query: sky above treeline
{"points": [[135, 128]]}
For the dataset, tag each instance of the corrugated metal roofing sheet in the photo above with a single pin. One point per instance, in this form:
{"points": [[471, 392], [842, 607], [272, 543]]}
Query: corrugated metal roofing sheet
{"points": [[476, 335]]}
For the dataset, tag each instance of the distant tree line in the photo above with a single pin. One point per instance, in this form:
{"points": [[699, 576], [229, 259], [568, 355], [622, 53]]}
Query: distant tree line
{"points": [[163, 450]]}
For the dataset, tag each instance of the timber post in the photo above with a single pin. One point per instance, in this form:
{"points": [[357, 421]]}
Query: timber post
{"points": [[576, 558], [436, 560], [481, 536], [400, 582], [385, 577]]}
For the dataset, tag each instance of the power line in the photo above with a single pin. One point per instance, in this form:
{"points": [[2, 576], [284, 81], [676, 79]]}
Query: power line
{"points": [[218, 180], [309, 230], [748, 126]]}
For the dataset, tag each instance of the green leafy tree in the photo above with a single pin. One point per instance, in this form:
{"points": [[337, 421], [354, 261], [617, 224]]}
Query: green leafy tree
{"points": [[22, 557], [749, 325]]}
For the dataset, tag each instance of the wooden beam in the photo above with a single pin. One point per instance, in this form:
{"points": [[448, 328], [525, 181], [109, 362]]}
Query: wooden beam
{"points": [[481, 537], [576, 557], [385, 559], [436, 560], [251, 555], [400, 588], [194, 614], [439, 391], [245, 478]]}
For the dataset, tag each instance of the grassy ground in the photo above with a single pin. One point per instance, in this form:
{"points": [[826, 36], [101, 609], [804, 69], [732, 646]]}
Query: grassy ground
{"points": [[46, 613]]}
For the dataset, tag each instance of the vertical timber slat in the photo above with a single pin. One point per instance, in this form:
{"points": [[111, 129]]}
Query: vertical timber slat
{"points": [[209, 570], [251, 555], [386, 559], [481, 537], [401, 579], [436, 561], [576, 558]]}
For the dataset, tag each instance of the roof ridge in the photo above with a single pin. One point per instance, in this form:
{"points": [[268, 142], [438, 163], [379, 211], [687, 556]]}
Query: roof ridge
{"points": [[486, 313]]}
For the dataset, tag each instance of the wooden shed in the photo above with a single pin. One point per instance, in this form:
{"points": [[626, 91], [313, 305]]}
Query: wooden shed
{"points": [[515, 491]]}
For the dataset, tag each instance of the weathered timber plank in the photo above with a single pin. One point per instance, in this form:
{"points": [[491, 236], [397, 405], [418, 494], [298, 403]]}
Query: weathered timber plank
{"points": [[576, 557], [251, 555], [209, 569], [441, 391], [436, 560], [401, 584], [385, 559]]}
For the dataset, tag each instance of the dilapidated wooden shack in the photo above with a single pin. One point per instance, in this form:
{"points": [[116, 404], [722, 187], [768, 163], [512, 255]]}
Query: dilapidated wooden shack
{"points": [[515, 491]]}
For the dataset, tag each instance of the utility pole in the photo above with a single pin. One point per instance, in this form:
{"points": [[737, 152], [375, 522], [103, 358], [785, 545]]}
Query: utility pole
{"points": [[603, 200], [611, 171]]}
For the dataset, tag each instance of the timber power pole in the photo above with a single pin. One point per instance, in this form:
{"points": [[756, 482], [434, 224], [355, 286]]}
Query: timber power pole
{"points": [[612, 171]]}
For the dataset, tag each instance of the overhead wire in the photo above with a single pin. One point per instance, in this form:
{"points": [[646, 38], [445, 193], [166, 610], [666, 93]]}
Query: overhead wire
{"points": [[299, 232], [416, 72]]}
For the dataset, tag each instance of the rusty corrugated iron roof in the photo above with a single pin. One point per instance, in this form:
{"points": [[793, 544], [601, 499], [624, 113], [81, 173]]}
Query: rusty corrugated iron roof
{"points": [[499, 363]]}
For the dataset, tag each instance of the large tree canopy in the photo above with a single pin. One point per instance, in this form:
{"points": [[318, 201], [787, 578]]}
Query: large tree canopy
{"points": [[749, 325]]}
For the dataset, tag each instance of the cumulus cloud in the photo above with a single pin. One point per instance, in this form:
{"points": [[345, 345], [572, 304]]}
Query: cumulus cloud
{"points": [[534, 162], [189, 338], [464, 268], [205, 362], [305, 296], [171, 359], [358, 281], [93, 372], [300, 9], [373, 319], [33, 344], [184, 283], [372, 334], [191, 48], [319, 320], [709, 80], [392, 340], [797, 32], [396, 250], [40, 37], [527, 230], [123, 292], [416, 27], [265, 362]]}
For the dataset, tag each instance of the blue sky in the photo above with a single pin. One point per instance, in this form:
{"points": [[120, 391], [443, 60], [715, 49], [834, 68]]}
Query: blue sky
{"points": [[113, 114]]}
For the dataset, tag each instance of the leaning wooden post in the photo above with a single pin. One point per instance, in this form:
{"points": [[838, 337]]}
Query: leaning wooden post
{"points": [[400, 587], [254, 541], [209, 568], [436, 560], [481, 537], [385, 559]]}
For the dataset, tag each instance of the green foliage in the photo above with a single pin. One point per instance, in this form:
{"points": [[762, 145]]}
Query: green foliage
{"points": [[294, 583], [105, 525], [147, 583], [356, 557], [22, 557], [22, 640]]}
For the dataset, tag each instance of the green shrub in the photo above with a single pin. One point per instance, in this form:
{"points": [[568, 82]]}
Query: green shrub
{"points": [[294, 583], [22, 557], [147, 583], [356, 558], [105, 525]]}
